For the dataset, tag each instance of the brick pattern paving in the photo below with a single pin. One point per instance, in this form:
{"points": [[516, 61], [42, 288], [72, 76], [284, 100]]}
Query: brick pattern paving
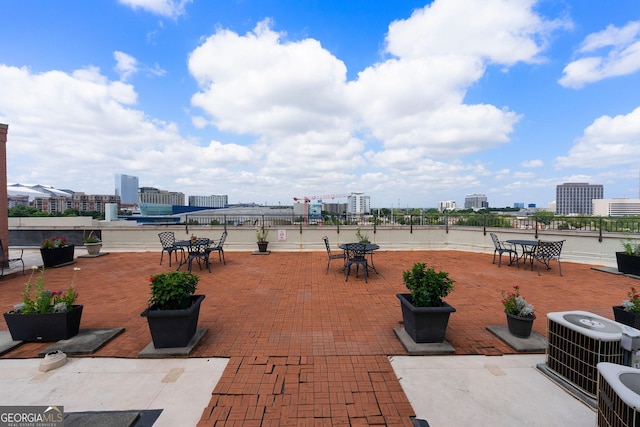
{"points": [[308, 348]]}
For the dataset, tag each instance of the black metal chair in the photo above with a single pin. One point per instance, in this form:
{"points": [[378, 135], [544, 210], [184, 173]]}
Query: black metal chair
{"points": [[547, 252], [356, 254], [331, 256], [503, 248], [199, 251], [218, 247], [168, 241], [5, 261]]}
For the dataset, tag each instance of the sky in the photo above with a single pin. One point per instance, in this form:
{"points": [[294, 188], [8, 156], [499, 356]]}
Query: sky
{"points": [[410, 102]]}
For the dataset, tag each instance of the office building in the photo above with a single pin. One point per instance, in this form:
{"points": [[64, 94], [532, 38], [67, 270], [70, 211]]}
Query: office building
{"points": [[150, 195], [576, 198], [127, 189], [212, 201], [475, 201], [449, 205], [616, 207], [518, 205]]}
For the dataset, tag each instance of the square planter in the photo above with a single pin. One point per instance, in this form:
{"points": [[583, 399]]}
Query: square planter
{"points": [[45, 327], [57, 257], [626, 317], [628, 264], [173, 328], [425, 324]]}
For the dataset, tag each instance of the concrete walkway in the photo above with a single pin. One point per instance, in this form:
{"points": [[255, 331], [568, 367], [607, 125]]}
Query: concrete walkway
{"points": [[304, 347]]}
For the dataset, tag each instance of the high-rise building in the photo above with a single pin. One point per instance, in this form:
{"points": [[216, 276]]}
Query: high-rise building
{"points": [[475, 201], [577, 197], [150, 195], [127, 189], [449, 205], [358, 204]]}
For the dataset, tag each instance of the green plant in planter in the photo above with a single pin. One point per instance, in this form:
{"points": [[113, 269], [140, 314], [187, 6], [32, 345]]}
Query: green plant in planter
{"points": [[631, 248], [427, 286], [173, 290], [362, 237]]}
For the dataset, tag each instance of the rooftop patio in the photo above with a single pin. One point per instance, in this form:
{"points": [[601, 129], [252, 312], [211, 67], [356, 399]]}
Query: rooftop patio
{"points": [[307, 347]]}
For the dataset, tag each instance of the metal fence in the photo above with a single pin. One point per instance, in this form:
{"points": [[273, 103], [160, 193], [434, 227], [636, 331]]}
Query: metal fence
{"points": [[564, 223]]}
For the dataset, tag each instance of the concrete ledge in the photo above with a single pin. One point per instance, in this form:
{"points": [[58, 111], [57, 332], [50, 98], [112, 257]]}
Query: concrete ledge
{"points": [[86, 342], [151, 352], [614, 270], [418, 349], [536, 343]]}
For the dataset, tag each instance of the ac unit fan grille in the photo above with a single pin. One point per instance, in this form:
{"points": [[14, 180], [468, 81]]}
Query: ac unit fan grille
{"points": [[613, 411]]}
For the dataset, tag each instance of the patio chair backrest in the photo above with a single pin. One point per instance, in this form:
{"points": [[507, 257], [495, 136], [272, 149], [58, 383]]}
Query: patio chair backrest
{"points": [[356, 251], [167, 238], [496, 242], [549, 250], [326, 243], [222, 239]]}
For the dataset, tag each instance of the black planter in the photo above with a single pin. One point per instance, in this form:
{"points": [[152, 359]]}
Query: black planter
{"points": [[424, 324], [520, 326], [626, 317], [628, 264], [57, 257], [262, 246], [173, 328], [44, 327]]}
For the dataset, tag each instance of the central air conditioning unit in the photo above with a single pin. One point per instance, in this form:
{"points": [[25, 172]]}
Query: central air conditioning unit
{"points": [[618, 395], [577, 341]]}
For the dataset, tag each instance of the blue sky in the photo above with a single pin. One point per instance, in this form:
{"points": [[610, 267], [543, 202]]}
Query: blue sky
{"points": [[412, 102]]}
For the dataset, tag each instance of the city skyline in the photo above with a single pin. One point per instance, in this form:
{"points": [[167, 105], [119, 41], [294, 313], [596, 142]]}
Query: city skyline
{"points": [[411, 102]]}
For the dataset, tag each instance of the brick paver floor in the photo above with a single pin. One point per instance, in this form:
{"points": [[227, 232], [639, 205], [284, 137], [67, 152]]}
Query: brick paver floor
{"points": [[305, 347]]}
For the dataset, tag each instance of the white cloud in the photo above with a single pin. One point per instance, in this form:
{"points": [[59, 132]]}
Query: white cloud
{"points": [[621, 56], [532, 164], [126, 65], [608, 141], [167, 8]]}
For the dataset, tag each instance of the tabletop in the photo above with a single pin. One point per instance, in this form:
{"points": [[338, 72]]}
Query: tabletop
{"points": [[524, 242], [368, 246]]}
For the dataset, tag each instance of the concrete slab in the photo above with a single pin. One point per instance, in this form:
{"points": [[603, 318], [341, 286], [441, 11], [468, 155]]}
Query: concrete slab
{"points": [[93, 256], [536, 343], [418, 349], [151, 352], [569, 387], [106, 419], [86, 342], [7, 343], [614, 270], [261, 253]]}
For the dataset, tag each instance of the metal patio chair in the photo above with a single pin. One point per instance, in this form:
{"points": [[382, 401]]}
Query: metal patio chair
{"points": [[547, 252], [218, 247], [168, 241], [356, 254], [331, 256], [503, 248], [6, 261]]}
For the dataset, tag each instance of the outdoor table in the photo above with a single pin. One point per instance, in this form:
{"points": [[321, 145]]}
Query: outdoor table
{"points": [[528, 248], [369, 248]]}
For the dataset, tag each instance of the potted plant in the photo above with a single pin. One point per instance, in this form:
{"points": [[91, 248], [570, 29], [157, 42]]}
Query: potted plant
{"points": [[362, 238], [520, 315], [56, 252], [92, 243], [629, 312], [261, 235], [424, 313], [173, 309], [45, 315], [629, 259]]}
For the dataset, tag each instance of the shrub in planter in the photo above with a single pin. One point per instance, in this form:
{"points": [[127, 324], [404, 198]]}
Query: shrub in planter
{"points": [[424, 313], [520, 315]]}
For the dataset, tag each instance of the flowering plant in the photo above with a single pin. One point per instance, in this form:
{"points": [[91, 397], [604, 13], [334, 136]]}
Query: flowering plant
{"points": [[91, 238], [261, 234], [44, 300], [515, 304], [632, 303], [54, 242]]}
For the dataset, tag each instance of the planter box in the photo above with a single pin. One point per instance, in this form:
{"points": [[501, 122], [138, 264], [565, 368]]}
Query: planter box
{"points": [[44, 327], [93, 248], [425, 324], [173, 328], [626, 317], [57, 257], [628, 264], [519, 326]]}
